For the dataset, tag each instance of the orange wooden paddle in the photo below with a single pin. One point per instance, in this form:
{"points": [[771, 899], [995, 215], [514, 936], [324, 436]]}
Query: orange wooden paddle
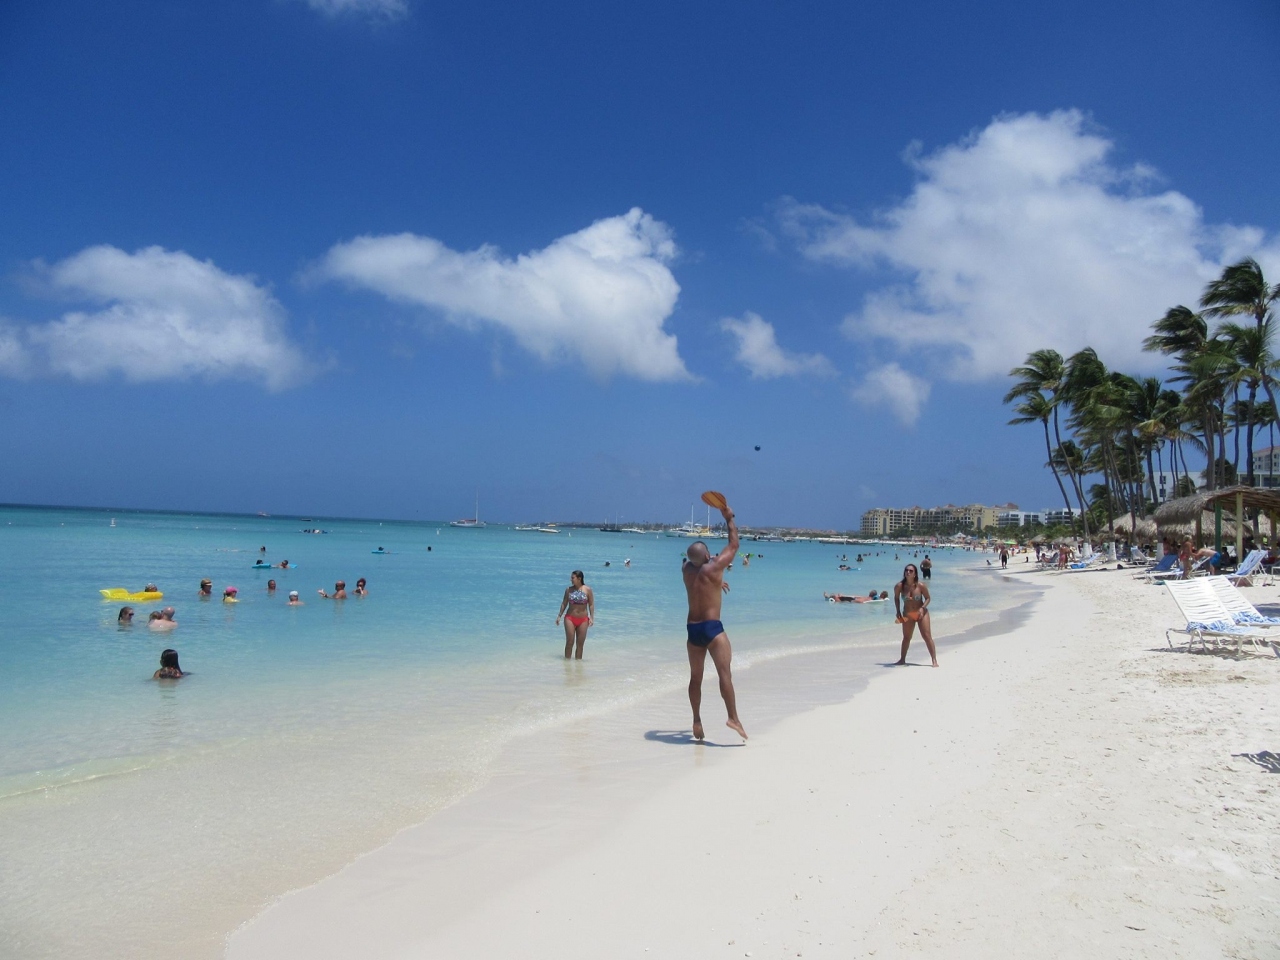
{"points": [[715, 499]]}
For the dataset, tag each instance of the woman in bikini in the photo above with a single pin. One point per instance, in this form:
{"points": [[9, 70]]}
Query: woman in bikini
{"points": [[580, 603], [911, 601]]}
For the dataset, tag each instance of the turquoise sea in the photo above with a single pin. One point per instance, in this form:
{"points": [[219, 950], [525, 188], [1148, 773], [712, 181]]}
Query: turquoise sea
{"points": [[306, 735]]}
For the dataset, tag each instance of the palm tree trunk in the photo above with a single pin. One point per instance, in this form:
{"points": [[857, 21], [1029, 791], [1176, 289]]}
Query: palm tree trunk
{"points": [[1248, 437], [1052, 466], [1236, 433], [1066, 463]]}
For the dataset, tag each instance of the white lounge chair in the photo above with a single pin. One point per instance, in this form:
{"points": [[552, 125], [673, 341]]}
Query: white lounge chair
{"points": [[1248, 568], [1206, 617], [1244, 613]]}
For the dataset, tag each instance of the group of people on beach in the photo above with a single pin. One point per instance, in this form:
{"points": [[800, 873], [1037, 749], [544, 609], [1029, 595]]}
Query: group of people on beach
{"points": [[705, 586]]}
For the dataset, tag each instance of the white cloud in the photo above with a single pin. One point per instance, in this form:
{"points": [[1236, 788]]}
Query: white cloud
{"points": [[759, 352], [599, 296], [890, 386], [164, 316], [14, 361], [1024, 236], [377, 9]]}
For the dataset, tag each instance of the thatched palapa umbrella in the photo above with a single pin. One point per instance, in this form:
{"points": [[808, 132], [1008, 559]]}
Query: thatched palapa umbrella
{"points": [[1236, 500]]}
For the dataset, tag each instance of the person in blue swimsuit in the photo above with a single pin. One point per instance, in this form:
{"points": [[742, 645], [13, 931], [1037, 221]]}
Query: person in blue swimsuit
{"points": [[704, 583]]}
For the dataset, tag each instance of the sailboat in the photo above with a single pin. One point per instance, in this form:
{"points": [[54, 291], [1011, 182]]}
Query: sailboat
{"points": [[469, 524]]}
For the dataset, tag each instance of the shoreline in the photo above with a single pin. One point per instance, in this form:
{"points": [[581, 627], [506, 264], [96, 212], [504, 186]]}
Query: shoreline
{"points": [[625, 770], [1017, 781]]}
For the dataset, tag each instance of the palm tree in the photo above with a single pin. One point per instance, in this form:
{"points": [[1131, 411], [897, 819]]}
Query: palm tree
{"points": [[1242, 290], [1036, 407], [1044, 373]]}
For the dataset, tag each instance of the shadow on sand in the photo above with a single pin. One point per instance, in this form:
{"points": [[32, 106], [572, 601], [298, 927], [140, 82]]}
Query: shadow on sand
{"points": [[1267, 760], [684, 738]]}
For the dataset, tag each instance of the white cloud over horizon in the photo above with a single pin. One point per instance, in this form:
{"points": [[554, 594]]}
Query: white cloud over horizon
{"points": [[1021, 236], [600, 296], [376, 9], [889, 386], [758, 350], [163, 315]]}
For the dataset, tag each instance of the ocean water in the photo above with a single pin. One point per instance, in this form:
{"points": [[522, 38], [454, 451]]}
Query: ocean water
{"points": [[147, 819]]}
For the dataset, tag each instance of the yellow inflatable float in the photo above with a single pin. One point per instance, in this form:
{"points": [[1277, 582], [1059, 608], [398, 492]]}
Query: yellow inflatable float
{"points": [[120, 593]]}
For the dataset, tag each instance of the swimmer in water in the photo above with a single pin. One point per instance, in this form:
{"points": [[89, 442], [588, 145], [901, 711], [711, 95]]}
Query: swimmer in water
{"points": [[271, 587], [579, 601], [362, 588], [169, 669], [339, 591], [206, 588], [293, 599], [125, 617], [158, 621]]}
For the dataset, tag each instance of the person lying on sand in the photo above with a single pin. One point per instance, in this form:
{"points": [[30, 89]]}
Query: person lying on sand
{"points": [[704, 584]]}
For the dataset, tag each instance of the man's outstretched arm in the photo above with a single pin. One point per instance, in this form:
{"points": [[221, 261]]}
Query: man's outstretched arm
{"points": [[725, 557]]}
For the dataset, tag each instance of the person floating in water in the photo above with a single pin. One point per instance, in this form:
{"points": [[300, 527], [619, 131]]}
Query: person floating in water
{"points": [[169, 669], [580, 602], [704, 584], [339, 591]]}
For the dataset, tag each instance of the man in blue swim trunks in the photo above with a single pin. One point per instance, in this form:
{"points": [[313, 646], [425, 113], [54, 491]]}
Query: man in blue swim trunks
{"points": [[704, 582]]}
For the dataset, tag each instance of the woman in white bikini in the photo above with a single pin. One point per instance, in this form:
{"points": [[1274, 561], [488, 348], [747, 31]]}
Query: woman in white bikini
{"points": [[580, 603], [911, 601]]}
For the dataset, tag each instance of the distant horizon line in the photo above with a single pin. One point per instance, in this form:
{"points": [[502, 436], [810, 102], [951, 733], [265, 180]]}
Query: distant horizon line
{"points": [[291, 516]]}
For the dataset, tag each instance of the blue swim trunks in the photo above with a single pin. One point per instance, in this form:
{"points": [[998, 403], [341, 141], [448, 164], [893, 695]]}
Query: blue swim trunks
{"points": [[701, 634]]}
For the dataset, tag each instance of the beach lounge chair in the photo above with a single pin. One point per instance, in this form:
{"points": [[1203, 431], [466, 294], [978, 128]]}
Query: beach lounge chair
{"points": [[1248, 568], [1164, 566], [1206, 618], [1097, 561], [1244, 613]]}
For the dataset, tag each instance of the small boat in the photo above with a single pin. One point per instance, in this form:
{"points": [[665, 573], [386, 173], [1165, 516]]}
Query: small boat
{"points": [[469, 524], [537, 528]]}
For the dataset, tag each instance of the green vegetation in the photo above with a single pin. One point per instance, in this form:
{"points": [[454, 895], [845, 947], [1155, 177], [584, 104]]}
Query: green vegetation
{"points": [[1121, 427]]}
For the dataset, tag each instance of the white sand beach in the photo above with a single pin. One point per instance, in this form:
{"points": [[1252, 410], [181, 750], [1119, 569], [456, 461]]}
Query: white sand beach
{"points": [[1066, 788]]}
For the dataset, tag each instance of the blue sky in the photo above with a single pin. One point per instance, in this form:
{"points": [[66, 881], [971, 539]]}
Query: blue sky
{"points": [[367, 257]]}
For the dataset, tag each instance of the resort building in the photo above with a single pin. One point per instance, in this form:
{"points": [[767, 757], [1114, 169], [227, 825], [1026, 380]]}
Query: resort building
{"points": [[883, 521], [1017, 518], [1060, 515], [1266, 467]]}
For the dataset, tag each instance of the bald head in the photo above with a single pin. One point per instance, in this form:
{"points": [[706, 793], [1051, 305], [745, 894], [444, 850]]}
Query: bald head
{"points": [[698, 553]]}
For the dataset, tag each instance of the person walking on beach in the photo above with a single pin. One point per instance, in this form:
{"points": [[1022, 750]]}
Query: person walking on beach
{"points": [[911, 601], [704, 584], [579, 601]]}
